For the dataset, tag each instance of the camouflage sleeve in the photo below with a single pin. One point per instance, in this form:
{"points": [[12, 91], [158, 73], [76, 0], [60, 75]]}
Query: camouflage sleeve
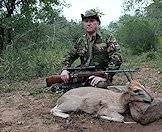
{"points": [[112, 45], [71, 56], [113, 49]]}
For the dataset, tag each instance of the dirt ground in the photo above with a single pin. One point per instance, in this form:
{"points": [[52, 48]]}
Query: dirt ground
{"points": [[26, 109]]}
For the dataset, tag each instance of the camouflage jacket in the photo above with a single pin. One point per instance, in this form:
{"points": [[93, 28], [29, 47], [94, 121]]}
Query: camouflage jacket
{"points": [[96, 51]]}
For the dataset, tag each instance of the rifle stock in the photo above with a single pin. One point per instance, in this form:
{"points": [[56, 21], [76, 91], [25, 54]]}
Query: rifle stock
{"points": [[53, 79], [84, 74]]}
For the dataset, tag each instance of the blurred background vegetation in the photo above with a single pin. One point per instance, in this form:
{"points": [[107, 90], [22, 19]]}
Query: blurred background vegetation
{"points": [[34, 36]]}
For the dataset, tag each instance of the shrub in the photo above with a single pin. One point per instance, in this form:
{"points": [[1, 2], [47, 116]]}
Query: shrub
{"points": [[137, 34]]}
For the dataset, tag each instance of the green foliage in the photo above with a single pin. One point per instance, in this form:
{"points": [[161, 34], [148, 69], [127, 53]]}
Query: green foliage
{"points": [[31, 63], [41, 37], [148, 59], [38, 51], [98, 11], [136, 34], [146, 8], [21, 16], [154, 10], [135, 6], [36, 91], [160, 50], [6, 88]]}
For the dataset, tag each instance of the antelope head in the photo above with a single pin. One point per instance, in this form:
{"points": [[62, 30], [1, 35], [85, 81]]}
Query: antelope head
{"points": [[136, 92]]}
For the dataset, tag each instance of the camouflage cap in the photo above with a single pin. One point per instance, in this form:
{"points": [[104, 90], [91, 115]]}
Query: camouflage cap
{"points": [[91, 14]]}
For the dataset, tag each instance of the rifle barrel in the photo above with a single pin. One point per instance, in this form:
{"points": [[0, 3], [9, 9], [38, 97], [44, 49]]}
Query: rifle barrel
{"points": [[81, 68], [85, 74], [119, 71]]}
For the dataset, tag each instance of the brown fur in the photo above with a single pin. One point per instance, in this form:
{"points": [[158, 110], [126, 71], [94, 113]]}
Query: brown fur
{"points": [[104, 103], [145, 113]]}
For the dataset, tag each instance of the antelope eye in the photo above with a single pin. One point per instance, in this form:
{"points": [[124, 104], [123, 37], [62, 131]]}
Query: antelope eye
{"points": [[136, 91]]}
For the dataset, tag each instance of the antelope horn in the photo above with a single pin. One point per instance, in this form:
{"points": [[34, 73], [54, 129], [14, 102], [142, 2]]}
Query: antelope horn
{"points": [[131, 75], [129, 79]]}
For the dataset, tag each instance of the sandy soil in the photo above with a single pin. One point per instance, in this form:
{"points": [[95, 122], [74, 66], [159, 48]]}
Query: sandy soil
{"points": [[26, 109]]}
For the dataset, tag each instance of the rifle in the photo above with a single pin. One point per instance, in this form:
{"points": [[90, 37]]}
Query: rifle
{"points": [[81, 74]]}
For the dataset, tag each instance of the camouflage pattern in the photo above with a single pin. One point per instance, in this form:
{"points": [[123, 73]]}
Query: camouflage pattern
{"points": [[105, 54], [99, 52], [91, 13]]}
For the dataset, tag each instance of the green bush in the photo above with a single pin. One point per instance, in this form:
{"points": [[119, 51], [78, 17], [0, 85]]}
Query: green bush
{"points": [[37, 50], [26, 64], [137, 34]]}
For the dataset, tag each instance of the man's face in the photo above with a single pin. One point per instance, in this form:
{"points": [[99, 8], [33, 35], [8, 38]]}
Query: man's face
{"points": [[90, 25]]}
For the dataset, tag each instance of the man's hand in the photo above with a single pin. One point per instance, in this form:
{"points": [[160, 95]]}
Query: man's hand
{"points": [[96, 80], [65, 75]]}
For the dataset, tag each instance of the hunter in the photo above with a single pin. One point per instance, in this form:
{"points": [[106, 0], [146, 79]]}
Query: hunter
{"points": [[92, 50]]}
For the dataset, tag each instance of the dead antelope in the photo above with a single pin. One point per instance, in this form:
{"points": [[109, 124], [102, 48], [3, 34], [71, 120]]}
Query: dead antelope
{"points": [[104, 103]]}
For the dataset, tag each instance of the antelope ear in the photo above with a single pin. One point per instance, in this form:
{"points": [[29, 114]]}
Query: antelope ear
{"points": [[129, 79], [125, 89]]}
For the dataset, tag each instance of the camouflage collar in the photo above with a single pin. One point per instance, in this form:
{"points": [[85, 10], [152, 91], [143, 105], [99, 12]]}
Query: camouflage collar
{"points": [[94, 37]]}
